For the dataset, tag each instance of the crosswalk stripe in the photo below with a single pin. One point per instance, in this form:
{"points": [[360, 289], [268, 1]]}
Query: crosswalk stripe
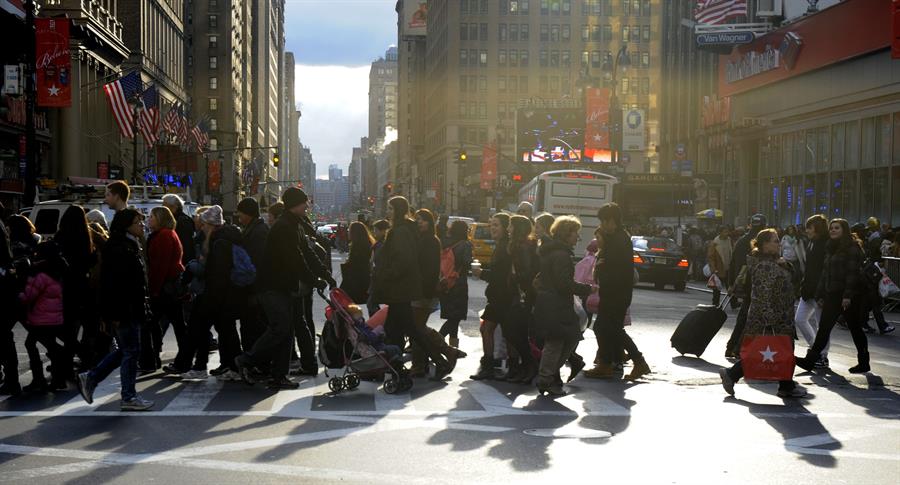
{"points": [[593, 403], [195, 396]]}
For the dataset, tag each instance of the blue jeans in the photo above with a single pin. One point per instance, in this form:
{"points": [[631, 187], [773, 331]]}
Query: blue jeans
{"points": [[128, 348]]}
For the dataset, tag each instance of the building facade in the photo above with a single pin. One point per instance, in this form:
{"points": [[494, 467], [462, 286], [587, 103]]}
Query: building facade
{"points": [[267, 31], [486, 59], [289, 171], [411, 101], [805, 133]]}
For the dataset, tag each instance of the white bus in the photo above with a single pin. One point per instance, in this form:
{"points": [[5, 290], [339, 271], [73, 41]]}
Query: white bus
{"points": [[571, 192]]}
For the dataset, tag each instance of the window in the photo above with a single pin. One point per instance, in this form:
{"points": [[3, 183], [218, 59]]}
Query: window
{"points": [[645, 85], [625, 32], [523, 58], [213, 4], [463, 110], [213, 41], [483, 58], [473, 84], [566, 86], [595, 33], [213, 62], [542, 59], [463, 58], [523, 32], [545, 32], [585, 58], [645, 33], [523, 7], [554, 7], [213, 83], [645, 8], [513, 32], [645, 60], [514, 58], [554, 33], [542, 84], [502, 33], [626, 7], [585, 33], [190, 81], [464, 7], [473, 31], [636, 33], [868, 142], [483, 6], [501, 57], [462, 84], [852, 158], [483, 32], [213, 124], [190, 61], [883, 141], [464, 31], [566, 59], [513, 84], [501, 84], [566, 7], [545, 7], [501, 111], [595, 59], [566, 33], [607, 33], [625, 85], [213, 104], [482, 84], [213, 21], [554, 58]]}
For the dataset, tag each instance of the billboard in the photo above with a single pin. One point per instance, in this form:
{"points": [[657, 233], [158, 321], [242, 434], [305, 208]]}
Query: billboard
{"points": [[53, 63], [596, 135], [550, 135], [633, 130], [415, 18]]}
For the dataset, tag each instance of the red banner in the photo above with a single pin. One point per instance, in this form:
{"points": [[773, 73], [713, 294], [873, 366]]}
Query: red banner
{"points": [[596, 123], [53, 63], [214, 175], [488, 166]]}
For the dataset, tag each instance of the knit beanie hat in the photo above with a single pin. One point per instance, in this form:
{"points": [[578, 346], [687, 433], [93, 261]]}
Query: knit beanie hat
{"points": [[293, 196], [213, 216], [248, 206]]}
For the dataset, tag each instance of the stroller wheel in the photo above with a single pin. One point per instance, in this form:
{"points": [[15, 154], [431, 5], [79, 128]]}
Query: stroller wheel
{"points": [[390, 386], [336, 384], [351, 381]]}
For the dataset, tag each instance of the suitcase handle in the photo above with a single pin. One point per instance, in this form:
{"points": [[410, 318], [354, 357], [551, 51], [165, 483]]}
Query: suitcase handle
{"points": [[724, 303]]}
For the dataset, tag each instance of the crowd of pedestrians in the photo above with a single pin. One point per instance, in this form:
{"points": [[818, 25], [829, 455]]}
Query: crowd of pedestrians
{"points": [[102, 295]]}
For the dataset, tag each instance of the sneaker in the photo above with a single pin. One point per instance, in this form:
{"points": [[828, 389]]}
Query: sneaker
{"points": [[86, 387], [794, 392], [887, 329], [822, 363], [219, 370], [228, 376], [245, 369], [282, 383], [727, 383], [137, 403], [172, 371], [195, 375]]}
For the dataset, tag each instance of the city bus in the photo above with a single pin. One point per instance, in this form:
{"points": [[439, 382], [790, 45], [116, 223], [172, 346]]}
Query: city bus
{"points": [[571, 192]]}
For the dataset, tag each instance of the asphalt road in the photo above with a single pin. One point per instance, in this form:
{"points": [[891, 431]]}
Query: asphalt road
{"points": [[677, 426]]}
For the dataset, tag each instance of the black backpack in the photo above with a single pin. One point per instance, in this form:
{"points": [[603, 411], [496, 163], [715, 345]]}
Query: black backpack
{"points": [[871, 273], [333, 348]]}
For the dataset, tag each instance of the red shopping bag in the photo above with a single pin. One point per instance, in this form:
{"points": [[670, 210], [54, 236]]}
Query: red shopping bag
{"points": [[768, 357]]}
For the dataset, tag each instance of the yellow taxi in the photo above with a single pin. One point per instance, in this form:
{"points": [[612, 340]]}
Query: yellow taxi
{"points": [[482, 244]]}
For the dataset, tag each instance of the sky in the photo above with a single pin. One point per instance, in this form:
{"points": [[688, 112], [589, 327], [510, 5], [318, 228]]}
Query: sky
{"points": [[333, 42]]}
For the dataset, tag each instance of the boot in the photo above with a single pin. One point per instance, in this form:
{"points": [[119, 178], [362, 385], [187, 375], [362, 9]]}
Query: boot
{"points": [[601, 371], [419, 362], [576, 366], [863, 366], [640, 369], [807, 363], [552, 388], [529, 370], [485, 370], [513, 373], [454, 342]]}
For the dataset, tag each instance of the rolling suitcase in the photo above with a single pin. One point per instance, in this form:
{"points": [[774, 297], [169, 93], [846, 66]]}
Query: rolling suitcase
{"points": [[698, 328]]}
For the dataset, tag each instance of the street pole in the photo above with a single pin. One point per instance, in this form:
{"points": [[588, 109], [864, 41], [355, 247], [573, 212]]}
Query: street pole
{"points": [[134, 155], [30, 95]]}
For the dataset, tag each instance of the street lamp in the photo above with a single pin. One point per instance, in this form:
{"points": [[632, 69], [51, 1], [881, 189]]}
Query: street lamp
{"points": [[622, 61]]}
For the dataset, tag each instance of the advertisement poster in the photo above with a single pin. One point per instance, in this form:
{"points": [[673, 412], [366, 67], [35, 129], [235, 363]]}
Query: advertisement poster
{"points": [[415, 18], [214, 175], [489, 166], [550, 135], [53, 63], [596, 133], [633, 138]]}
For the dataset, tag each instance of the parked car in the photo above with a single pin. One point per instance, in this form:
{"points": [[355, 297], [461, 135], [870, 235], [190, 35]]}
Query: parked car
{"points": [[660, 261], [329, 232], [482, 244]]}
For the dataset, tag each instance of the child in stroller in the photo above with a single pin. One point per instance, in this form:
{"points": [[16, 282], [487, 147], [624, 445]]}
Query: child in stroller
{"points": [[348, 343]]}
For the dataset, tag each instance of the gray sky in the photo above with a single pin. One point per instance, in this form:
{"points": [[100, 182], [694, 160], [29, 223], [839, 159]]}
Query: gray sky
{"points": [[333, 42]]}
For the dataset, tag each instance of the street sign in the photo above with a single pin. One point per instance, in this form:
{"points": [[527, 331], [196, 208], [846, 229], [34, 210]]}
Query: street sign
{"points": [[633, 132], [724, 38]]}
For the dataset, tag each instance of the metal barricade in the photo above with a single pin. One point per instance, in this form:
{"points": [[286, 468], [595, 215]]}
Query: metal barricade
{"points": [[892, 270]]}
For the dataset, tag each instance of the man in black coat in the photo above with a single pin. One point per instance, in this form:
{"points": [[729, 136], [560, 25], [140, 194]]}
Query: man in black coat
{"points": [[319, 260], [254, 233], [614, 274], [278, 280], [738, 261]]}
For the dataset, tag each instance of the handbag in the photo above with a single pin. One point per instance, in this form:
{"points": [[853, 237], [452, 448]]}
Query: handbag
{"points": [[714, 282], [580, 313], [768, 357], [887, 287], [592, 303]]}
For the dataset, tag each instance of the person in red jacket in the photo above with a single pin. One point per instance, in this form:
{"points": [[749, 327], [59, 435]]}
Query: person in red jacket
{"points": [[164, 252], [43, 298]]}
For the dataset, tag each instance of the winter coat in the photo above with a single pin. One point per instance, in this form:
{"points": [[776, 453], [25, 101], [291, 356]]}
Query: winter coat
{"points": [[397, 275], [554, 312], [429, 264], [43, 300], [164, 259], [739, 254], [614, 272], [123, 280], [283, 266], [873, 246], [842, 272], [356, 274], [812, 271], [771, 309], [789, 248], [184, 228], [317, 257], [455, 301], [718, 255], [500, 289], [253, 238], [525, 266]]}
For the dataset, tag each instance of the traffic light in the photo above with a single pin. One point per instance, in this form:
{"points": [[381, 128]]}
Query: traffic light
{"points": [[371, 200], [389, 187], [275, 160], [463, 156], [516, 177]]}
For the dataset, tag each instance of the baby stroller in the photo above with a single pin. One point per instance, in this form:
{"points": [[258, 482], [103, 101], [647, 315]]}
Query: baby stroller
{"points": [[356, 350]]}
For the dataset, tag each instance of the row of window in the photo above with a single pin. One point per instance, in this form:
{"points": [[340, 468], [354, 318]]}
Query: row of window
{"points": [[512, 32], [637, 8], [552, 58], [554, 32]]}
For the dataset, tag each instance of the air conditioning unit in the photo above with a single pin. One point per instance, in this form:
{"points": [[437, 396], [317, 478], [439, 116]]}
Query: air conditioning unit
{"points": [[770, 8]]}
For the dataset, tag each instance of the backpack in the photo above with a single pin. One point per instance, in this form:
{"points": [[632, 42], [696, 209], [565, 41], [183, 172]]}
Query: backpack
{"points": [[871, 273], [333, 350], [243, 273], [449, 274]]}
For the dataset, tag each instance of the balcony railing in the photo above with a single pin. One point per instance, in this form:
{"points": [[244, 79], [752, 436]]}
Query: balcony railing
{"points": [[99, 12]]}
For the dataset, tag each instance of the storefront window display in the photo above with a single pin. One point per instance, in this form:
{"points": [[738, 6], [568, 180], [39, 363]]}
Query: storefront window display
{"points": [[882, 194], [823, 149], [809, 152], [868, 143], [822, 187], [883, 141], [838, 133], [866, 193], [850, 208], [837, 194], [851, 159]]}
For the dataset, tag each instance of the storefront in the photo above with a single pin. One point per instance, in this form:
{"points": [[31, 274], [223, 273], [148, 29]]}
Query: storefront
{"points": [[816, 119], [12, 148], [650, 197]]}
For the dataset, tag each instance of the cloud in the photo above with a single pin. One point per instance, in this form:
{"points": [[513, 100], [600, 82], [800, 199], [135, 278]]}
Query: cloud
{"points": [[334, 101], [339, 32]]}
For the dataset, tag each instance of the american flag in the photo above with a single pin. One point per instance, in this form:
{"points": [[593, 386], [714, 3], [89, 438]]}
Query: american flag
{"points": [[714, 12], [170, 123], [201, 134], [148, 118], [119, 93]]}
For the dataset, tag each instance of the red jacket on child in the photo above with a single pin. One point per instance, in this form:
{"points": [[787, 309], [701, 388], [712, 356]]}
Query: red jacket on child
{"points": [[43, 299]]}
